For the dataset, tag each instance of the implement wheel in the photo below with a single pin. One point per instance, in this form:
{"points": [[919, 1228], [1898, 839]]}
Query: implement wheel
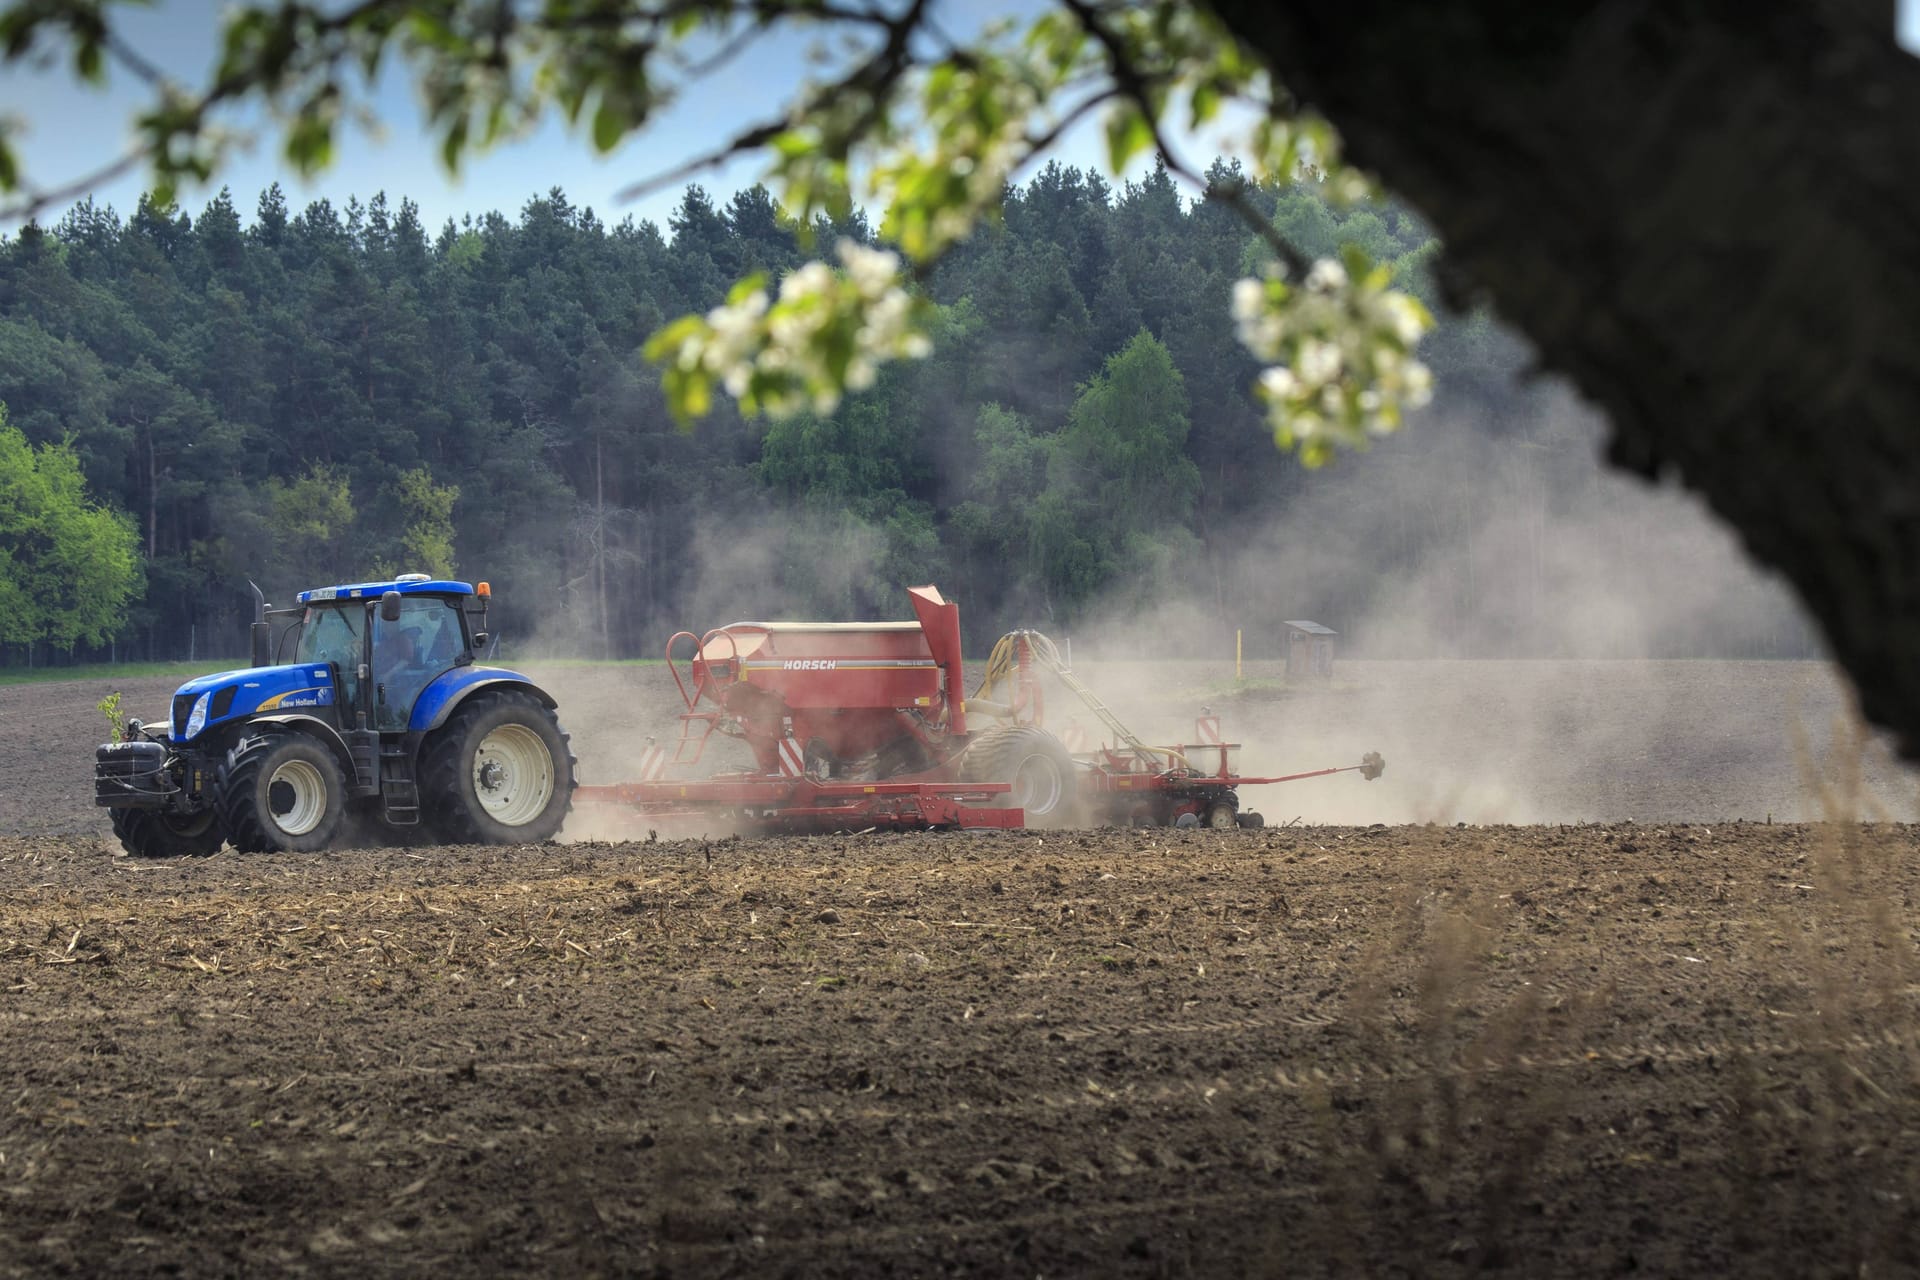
{"points": [[150, 833], [281, 793], [1223, 815], [1044, 780], [498, 772]]}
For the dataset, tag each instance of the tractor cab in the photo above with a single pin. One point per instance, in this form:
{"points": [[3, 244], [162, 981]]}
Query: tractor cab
{"points": [[388, 641]]}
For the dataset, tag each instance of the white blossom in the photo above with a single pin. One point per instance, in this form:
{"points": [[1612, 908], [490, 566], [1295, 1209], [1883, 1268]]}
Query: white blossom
{"points": [[1278, 382], [1249, 300], [810, 278], [1403, 313], [1317, 362], [1419, 381], [873, 271], [1326, 276]]}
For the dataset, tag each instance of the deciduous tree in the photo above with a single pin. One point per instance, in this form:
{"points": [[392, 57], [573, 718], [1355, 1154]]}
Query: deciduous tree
{"points": [[67, 565]]}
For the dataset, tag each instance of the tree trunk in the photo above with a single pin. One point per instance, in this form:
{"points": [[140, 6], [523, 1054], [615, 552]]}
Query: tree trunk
{"points": [[600, 544], [153, 498], [1703, 216]]}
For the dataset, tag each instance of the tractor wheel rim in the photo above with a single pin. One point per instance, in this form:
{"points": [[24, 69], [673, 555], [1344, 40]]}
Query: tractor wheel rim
{"points": [[1037, 785], [513, 775], [297, 797]]}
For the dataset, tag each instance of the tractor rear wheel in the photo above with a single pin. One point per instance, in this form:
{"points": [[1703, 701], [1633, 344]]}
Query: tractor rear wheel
{"points": [[498, 772], [280, 793], [1044, 780], [149, 833]]}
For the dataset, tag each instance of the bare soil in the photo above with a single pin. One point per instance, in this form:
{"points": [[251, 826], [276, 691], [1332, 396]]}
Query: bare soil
{"points": [[1407, 1050], [1668, 1048]]}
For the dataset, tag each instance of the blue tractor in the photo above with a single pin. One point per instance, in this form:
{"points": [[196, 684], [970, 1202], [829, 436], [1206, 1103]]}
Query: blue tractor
{"points": [[381, 719]]}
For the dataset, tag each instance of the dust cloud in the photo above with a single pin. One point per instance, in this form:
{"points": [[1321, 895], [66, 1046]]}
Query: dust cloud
{"points": [[1526, 636]]}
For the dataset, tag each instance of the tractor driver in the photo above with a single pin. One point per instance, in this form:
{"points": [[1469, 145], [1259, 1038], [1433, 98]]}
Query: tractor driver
{"points": [[398, 673], [400, 650]]}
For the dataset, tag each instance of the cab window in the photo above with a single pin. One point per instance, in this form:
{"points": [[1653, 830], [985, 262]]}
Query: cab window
{"points": [[409, 652], [331, 633]]}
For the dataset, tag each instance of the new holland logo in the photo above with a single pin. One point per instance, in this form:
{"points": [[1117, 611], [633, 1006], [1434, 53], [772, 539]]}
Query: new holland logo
{"points": [[809, 664]]}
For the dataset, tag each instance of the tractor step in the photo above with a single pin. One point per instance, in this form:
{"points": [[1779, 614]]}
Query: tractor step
{"points": [[399, 793], [363, 746]]}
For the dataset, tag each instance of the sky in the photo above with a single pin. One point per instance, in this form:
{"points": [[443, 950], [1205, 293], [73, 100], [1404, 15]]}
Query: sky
{"points": [[69, 131]]}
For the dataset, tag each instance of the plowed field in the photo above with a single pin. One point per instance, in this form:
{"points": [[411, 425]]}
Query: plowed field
{"points": [[1672, 1048]]}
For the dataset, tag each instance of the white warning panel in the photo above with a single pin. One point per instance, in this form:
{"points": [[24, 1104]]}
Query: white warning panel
{"points": [[653, 763]]}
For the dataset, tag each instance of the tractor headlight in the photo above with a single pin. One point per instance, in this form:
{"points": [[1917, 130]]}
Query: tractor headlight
{"points": [[197, 718]]}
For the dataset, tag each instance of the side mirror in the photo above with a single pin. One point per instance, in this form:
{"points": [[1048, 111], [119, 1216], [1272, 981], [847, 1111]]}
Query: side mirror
{"points": [[390, 607]]}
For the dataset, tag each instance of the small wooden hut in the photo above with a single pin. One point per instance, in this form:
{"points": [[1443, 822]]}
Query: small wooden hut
{"points": [[1309, 650]]}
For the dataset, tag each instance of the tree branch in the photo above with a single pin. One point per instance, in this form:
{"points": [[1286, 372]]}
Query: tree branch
{"points": [[1133, 84]]}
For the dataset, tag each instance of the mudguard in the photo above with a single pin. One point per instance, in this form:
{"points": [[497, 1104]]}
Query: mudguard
{"points": [[318, 728], [448, 690]]}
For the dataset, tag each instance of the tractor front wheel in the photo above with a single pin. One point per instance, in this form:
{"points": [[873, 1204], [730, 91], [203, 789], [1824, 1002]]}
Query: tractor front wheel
{"points": [[1044, 780], [150, 833], [281, 793], [498, 772]]}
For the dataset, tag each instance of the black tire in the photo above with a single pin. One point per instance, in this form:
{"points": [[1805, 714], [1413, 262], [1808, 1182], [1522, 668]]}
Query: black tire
{"points": [[281, 793], [497, 772], [150, 833], [1045, 781]]}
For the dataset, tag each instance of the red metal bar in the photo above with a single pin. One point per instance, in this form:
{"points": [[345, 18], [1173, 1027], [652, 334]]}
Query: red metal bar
{"points": [[1114, 780], [940, 622], [701, 662], [1295, 777], [675, 671], [749, 789], [803, 804]]}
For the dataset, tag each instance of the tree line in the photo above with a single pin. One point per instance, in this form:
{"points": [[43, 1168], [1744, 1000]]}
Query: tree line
{"points": [[333, 394]]}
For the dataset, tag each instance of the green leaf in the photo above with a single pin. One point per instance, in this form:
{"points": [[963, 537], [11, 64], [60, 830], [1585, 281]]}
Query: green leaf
{"points": [[1205, 104], [454, 144], [610, 122], [746, 287]]}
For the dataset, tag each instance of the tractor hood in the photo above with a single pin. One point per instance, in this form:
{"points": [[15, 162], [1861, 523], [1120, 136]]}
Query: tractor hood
{"points": [[208, 701]]}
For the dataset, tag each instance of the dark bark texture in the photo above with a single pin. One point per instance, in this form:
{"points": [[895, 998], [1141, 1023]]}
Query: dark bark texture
{"points": [[1707, 217]]}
